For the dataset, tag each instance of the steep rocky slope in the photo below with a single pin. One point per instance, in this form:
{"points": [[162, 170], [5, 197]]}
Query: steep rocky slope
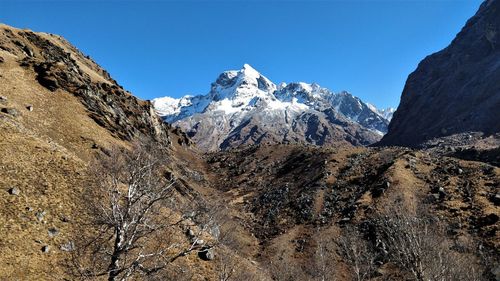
{"points": [[455, 90], [244, 108], [59, 66], [293, 197], [58, 111]]}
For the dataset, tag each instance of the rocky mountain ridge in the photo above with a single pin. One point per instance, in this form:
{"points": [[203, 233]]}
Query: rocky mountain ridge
{"points": [[59, 66], [59, 110], [244, 107], [455, 90]]}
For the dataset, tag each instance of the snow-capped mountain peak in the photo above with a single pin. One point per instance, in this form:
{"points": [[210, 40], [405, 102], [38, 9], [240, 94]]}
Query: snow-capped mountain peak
{"points": [[385, 113], [250, 71], [245, 82], [244, 106], [304, 93]]}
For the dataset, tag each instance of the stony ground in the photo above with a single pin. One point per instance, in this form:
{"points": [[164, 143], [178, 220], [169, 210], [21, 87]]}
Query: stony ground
{"points": [[293, 194]]}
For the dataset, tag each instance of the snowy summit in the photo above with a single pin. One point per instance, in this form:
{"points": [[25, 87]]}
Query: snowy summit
{"points": [[245, 107]]}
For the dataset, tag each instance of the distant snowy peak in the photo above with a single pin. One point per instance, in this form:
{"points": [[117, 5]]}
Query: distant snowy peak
{"points": [[385, 113], [243, 83], [288, 112], [237, 91], [241, 90], [172, 110]]}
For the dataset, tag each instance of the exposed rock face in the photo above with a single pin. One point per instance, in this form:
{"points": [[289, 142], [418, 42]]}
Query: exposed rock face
{"points": [[455, 90], [79, 112], [59, 65], [10, 111], [245, 108]]}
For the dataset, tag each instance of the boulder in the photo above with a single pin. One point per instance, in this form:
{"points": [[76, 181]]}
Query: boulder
{"points": [[487, 220], [10, 111], [344, 220], [442, 192], [28, 51], [431, 198], [496, 199], [190, 233], [39, 215], [45, 249], [496, 272], [206, 254], [68, 247], [53, 231], [14, 191]]}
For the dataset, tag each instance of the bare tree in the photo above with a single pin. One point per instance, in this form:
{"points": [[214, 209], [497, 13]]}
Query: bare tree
{"points": [[283, 267], [324, 258], [127, 202], [356, 253], [418, 244]]}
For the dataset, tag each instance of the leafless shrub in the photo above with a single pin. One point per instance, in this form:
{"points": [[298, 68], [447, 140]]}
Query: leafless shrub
{"points": [[127, 201], [323, 260], [282, 267], [356, 253], [418, 244], [226, 268], [230, 267], [173, 273]]}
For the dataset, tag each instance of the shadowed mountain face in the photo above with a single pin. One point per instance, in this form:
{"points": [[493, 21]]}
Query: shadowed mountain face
{"points": [[455, 90], [245, 108]]}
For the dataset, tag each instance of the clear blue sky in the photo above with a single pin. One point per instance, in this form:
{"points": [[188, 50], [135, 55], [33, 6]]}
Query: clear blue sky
{"points": [[158, 48]]}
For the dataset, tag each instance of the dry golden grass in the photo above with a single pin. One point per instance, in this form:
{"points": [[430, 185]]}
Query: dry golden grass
{"points": [[44, 153]]}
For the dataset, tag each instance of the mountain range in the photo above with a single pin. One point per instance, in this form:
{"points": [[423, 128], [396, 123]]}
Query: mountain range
{"points": [[256, 212], [244, 107]]}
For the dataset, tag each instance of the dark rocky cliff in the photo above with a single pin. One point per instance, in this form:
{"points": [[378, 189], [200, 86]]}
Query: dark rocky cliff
{"points": [[60, 66], [456, 89]]}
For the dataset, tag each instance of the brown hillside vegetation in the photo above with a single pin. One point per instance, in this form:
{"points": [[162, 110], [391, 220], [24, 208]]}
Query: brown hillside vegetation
{"points": [[275, 212], [59, 110], [294, 197]]}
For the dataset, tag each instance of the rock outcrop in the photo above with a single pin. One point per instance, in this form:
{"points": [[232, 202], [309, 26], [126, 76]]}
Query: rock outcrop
{"points": [[60, 66], [455, 90]]}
